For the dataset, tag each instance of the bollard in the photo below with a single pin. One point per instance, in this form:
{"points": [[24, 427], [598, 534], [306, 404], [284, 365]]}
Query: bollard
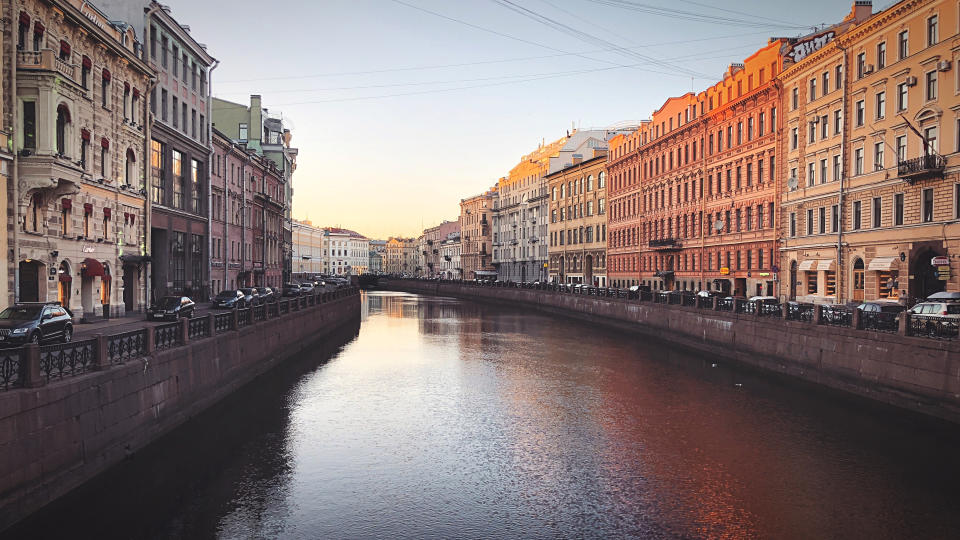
{"points": [[101, 360], [903, 328], [184, 330], [30, 368]]}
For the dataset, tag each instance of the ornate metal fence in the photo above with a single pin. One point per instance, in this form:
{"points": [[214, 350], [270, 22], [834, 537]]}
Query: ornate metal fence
{"points": [[127, 346], [199, 327], [260, 312], [836, 316], [769, 310], [11, 361], [166, 336], [67, 359], [880, 321], [800, 312], [222, 322], [934, 326], [243, 317]]}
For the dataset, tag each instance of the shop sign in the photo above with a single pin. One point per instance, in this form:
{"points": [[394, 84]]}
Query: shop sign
{"points": [[764, 274], [939, 261], [943, 269], [724, 271]]}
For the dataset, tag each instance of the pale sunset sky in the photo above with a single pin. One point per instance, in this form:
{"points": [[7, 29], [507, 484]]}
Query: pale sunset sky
{"points": [[400, 108]]}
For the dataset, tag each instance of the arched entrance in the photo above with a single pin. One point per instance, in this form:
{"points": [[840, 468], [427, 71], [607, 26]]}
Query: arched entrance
{"points": [[64, 284], [793, 280], [30, 271], [858, 280], [562, 270], [588, 269], [90, 269], [523, 273], [925, 281]]}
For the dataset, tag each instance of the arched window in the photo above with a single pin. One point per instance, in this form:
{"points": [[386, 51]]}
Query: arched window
{"points": [[129, 167], [63, 118]]}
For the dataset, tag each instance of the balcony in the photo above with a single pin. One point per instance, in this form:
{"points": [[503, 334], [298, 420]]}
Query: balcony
{"points": [[921, 168], [665, 244], [45, 60]]}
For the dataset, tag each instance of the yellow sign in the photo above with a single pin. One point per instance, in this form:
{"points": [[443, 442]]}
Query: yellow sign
{"points": [[724, 271], [943, 269]]}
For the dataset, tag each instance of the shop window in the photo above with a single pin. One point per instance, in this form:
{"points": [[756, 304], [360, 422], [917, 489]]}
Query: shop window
{"points": [[830, 281], [887, 286]]}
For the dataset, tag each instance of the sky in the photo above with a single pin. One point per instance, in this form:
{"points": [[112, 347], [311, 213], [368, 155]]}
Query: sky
{"points": [[400, 108]]}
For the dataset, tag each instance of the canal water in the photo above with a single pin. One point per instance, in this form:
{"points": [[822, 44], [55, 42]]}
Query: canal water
{"points": [[439, 418]]}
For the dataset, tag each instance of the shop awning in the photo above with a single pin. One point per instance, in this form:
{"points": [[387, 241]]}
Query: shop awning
{"points": [[826, 264], [92, 267], [882, 264], [808, 265]]}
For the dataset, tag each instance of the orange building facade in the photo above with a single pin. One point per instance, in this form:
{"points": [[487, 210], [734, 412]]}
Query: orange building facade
{"points": [[693, 192]]}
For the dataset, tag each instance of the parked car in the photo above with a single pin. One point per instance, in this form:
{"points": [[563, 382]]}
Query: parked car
{"points": [[770, 300], [251, 296], [947, 310], [938, 318], [306, 288], [881, 315], [291, 289], [35, 323], [171, 308], [944, 297], [229, 299], [710, 294], [266, 294]]}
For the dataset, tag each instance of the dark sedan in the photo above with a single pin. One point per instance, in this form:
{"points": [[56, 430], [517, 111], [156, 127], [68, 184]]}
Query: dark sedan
{"points": [[229, 299], [171, 308], [266, 294], [35, 323], [881, 315], [291, 289], [250, 296]]}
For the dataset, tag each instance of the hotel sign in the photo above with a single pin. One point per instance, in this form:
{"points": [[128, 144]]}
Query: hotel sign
{"points": [[800, 50]]}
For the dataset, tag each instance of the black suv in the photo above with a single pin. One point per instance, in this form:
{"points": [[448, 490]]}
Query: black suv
{"points": [[35, 323]]}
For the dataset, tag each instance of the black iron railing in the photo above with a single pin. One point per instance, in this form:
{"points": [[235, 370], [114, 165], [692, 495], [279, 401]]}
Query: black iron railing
{"points": [[11, 361], [244, 317], [67, 359], [934, 326], [168, 335], [800, 312], [126, 346], [922, 166], [881, 321], [836, 316], [222, 322], [199, 327]]}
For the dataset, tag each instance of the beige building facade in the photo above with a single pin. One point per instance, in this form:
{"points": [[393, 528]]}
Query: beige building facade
{"points": [[77, 233], [401, 256], [871, 191], [577, 232], [476, 240]]}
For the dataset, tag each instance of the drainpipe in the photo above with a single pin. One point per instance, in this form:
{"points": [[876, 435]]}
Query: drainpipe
{"points": [[15, 176], [843, 175], [209, 139], [778, 186], [148, 203], [703, 200]]}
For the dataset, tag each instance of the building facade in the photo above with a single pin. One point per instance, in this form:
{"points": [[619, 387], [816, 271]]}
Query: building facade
{"points": [[519, 217], [378, 253], [401, 256], [449, 264], [476, 238], [577, 230], [308, 257], [180, 148], [77, 208], [871, 193], [693, 202], [430, 247], [265, 134], [345, 252]]}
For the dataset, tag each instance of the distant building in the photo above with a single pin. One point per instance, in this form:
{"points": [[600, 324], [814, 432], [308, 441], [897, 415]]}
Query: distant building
{"points": [[401, 256], [429, 246], [449, 265], [345, 252], [476, 235]]}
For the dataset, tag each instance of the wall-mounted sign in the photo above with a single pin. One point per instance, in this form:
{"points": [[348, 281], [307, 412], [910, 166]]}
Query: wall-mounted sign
{"points": [[940, 261], [764, 274], [800, 50], [724, 271]]}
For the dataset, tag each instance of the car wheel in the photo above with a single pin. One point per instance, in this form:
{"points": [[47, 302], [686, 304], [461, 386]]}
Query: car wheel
{"points": [[68, 334]]}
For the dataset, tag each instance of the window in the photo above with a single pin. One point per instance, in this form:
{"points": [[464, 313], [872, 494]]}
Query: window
{"points": [[176, 60], [65, 220], [881, 104], [878, 156], [834, 218], [84, 144], [759, 171], [875, 213], [812, 135], [176, 110], [85, 65], [901, 142], [178, 180], [63, 118], [129, 167], [811, 176], [157, 156], [837, 125], [794, 138], [858, 161], [861, 64], [824, 126], [105, 89], [794, 99], [184, 107], [193, 73], [761, 125], [932, 31], [195, 186], [193, 123], [927, 205], [856, 215], [838, 76], [126, 99], [749, 131], [163, 104], [836, 167], [898, 209], [243, 132], [860, 113], [185, 62], [823, 171], [809, 221], [813, 89], [930, 135], [903, 44], [822, 220], [163, 52], [881, 54], [956, 201], [931, 85]]}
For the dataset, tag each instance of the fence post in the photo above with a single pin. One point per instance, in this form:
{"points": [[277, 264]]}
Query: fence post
{"points": [[904, 327], [817, 313], [234, 319], [151, 340], [184, 330], [211, 324], [32, 378], [856, 321], [785, 311], [716, 303], [101, 360]]}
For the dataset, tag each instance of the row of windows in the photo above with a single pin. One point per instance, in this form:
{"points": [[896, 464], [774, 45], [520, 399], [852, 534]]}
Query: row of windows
{"points": [[188, 124], [747, 259], [577, 211], [194, 75], [187, 184], [581, 235], [578, 187]]}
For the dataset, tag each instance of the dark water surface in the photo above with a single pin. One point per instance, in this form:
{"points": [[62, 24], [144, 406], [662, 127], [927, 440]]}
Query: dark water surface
{"points": [[444, 419]]}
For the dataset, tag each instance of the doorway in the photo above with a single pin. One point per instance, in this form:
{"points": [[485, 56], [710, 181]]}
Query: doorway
{"points": [[64, 284], [588, 269], [130, 279], [858, 280], [793, 280], [29, 290], [925, 280]]}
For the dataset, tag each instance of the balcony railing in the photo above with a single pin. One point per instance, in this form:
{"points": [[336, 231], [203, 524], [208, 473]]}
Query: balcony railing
{"points": [[46, 59], [930, 166], [665, 243]]}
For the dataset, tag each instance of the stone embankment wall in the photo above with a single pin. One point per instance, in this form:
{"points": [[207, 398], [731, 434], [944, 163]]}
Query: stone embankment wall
{"points": [[915, 373], [59, 434]]}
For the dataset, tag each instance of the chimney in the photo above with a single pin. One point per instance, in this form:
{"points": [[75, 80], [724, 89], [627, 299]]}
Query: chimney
{"points": [[255, 129], [861, 10], [577, 159]]}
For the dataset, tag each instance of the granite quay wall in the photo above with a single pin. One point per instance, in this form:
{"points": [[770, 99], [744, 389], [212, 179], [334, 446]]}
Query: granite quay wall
{"points": [[827, 348], [68, 412]]}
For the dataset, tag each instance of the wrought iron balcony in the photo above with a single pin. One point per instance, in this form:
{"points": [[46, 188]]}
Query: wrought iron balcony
{"points": [[665, 244], [930, 166]]}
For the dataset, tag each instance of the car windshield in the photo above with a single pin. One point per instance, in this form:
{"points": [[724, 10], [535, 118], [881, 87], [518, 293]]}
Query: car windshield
{"points": [[20, 313], [168, 302], [248, 291], [227, 294]]}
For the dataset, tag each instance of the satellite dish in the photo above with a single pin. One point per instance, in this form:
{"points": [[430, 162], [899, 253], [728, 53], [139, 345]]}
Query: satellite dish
{"points": [[792, 183], [718, 225]]}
